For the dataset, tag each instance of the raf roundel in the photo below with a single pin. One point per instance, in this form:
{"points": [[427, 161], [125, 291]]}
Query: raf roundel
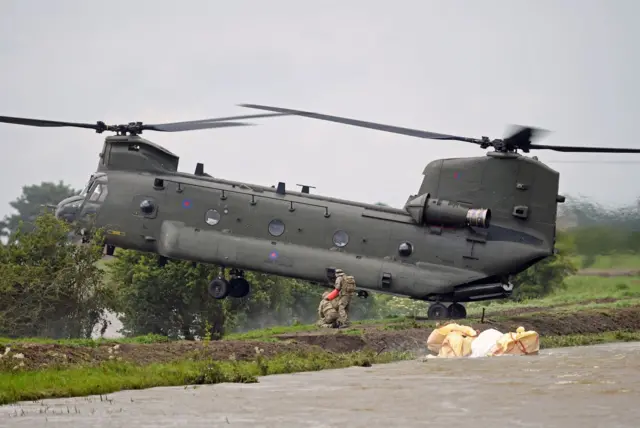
{"points": [[186, 203], [273, 255]]}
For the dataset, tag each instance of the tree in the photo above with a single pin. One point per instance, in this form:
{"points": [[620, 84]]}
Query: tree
{"points": [[172, 299], [32, 203], [587, 213], [169, 300], [49, 287], [548, 275]]}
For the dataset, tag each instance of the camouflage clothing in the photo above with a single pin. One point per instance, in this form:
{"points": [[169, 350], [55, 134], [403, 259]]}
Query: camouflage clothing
{"points": [[327, 312], [346, 285]]}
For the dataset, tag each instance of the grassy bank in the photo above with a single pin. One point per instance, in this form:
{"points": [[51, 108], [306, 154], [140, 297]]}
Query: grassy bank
{"points": [[581, 292], [550, 342], [117, 375], [58, 382]]}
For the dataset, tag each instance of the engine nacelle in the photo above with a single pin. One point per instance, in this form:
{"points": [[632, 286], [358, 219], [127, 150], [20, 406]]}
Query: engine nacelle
{"points": [[437, 212]]}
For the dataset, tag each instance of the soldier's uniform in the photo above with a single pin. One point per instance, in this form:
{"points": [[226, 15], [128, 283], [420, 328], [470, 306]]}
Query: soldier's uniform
{"points": [[327, 312], [346, 286]]}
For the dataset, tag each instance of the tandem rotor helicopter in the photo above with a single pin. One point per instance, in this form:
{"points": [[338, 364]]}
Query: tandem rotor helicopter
{"points": [[473, 223]]}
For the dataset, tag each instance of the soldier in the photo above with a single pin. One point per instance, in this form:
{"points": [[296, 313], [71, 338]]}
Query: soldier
{"points": [[346, 287], [327, 312]]}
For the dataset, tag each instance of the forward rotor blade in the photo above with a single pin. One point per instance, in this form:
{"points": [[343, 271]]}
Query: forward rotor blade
{"points": [[220, 122], [244, 116], [189, 123], [191, 126], [371, 125], [570, 149], [45, 123]]}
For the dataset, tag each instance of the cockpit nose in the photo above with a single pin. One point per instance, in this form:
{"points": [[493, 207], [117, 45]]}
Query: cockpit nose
{"points": [[67, 209]]}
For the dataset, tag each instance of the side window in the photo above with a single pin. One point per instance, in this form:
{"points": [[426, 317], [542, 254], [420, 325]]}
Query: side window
{"points": [[95, 194], [105, 191]]}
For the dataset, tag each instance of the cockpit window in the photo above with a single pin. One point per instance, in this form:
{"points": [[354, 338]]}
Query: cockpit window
{"points": [[86, 188], [90, 184], [103, 195], [96, 192]]}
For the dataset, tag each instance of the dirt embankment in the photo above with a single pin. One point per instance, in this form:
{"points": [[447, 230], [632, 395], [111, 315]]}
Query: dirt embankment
{"points": [[380, 337]]}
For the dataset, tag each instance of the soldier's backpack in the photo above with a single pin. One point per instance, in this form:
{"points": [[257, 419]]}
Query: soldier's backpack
{"points": [[349, 285]]}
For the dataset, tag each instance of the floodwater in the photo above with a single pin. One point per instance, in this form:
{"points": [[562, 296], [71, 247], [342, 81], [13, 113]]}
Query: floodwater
{"points": [[596, 386]]}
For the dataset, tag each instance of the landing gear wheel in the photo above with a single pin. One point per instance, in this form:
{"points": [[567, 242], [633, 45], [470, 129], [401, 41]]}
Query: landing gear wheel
{"points": [[219, 288], [457, 311], [363, 294], [438, 311], [239, 287]]}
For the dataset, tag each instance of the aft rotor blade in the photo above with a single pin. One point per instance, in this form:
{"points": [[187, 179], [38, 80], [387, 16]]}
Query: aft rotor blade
{"points": [[571, 149], [371, 125], [45, 123]]}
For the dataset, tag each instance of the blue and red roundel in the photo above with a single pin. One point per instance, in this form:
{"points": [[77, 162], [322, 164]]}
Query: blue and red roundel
{"points": [[186, 203]]}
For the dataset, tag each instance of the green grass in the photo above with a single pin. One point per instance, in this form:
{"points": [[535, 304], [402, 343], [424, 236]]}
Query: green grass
{"points": [[615, 261], [579, 294], [270, 332], [91, 343], [588, 339], [267, 333], [116, 376]]}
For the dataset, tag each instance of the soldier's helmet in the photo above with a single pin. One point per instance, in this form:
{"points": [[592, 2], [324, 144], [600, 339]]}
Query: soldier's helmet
{"points": [[339, 272]]}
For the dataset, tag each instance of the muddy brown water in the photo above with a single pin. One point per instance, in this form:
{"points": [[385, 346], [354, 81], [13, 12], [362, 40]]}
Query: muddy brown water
{"points": [[595, 386]]}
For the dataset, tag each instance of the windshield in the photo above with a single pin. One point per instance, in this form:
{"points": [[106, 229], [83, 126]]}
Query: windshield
{"points": [[92, 179], [86, 188]]}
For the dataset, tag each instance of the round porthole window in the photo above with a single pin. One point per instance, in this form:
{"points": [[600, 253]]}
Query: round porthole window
{"points": [[276, 227], [340, 238], [212, 217], [405, 249]]}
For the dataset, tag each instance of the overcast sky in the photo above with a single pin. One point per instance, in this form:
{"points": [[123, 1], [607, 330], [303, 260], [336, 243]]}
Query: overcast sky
{"points": [[464, 67]]}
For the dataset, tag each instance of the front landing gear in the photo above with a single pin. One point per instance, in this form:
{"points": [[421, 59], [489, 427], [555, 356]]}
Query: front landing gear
{"points": [[237, 286], [219, 288], [438, 311]]}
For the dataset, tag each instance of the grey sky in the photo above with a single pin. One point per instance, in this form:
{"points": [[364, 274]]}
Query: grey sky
{"points": [[464, 67]]}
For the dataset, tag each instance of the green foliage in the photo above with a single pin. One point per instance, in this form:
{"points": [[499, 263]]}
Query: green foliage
{"points": [[173, 300], [170, 301], [31, 203], [49, 287], [544, 277], [587, 213], [549, 275], [599, 230], [592, 241]]}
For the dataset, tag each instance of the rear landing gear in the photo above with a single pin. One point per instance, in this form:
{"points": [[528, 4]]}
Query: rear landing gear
{"points": [[237, 286], [438, 311], [457, 311]]}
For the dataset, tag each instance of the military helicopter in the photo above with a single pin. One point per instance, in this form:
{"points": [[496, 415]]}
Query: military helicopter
{"points": [[473, 223]]}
